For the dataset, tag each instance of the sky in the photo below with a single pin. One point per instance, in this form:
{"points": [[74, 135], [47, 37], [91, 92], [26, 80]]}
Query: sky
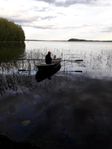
{"points": [[61, 19]]}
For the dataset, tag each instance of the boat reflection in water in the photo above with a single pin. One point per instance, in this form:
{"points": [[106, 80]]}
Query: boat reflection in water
{"points": [[47, 70]]}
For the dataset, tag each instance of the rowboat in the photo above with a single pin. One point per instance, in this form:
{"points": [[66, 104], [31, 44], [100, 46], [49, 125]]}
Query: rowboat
{"points": [[47, 70]]}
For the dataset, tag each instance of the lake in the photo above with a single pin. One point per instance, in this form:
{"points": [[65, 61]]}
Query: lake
{"points": [[93, 59], [96, 56]]}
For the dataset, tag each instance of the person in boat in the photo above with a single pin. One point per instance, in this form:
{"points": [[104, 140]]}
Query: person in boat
{"points": [[48, 58]]}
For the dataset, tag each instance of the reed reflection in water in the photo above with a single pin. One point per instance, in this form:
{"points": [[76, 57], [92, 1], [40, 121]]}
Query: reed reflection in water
{"points": [[11, 51]]}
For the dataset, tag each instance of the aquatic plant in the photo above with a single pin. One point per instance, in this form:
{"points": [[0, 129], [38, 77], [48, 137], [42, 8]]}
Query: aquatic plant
{"points": [[9, 31]]}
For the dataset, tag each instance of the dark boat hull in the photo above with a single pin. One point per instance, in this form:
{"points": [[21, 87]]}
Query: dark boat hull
{"points": [[46, 71]]}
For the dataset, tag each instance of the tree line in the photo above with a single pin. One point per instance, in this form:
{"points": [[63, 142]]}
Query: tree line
{"points": [[9, 31]]}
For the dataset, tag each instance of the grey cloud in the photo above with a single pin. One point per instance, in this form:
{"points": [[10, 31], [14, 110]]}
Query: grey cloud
{"points": [[22, 21], [43, 9], [67, 3], [106, 29], [30, 20], [19, 19], [41, 27], [48, 17], [52, 26], [75, 27], [55, 27]]}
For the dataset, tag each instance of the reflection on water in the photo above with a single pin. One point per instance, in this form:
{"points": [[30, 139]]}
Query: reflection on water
{"points": [[11, 51]]}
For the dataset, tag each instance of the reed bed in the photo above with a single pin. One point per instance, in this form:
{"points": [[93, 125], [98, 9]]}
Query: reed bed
{"points": [[17, 73], [12, 71]]}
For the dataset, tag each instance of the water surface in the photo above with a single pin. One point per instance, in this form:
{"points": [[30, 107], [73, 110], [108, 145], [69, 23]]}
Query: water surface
{"points": [[96, 56]]}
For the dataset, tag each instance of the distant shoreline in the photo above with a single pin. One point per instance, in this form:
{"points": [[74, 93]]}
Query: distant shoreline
{"points": [[70, 40], [47, 40], [85, 40]]}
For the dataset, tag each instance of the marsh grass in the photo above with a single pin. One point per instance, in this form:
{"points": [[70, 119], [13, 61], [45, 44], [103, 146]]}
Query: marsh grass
{"points": [[18, 70]]}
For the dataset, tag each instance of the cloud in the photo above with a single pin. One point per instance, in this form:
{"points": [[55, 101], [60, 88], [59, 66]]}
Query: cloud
{"points": [[67, 3], [47, 17], [40, 9], [54, 27], [22, 20], [30, 20], [41, 27], [107, 29]]}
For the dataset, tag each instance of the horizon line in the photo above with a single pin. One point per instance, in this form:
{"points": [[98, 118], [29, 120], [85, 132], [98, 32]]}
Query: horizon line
{"points": [[74, 40]]}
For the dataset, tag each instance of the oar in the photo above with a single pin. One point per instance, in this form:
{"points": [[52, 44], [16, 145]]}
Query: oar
{"points": [[78, 70], [77, 60]]}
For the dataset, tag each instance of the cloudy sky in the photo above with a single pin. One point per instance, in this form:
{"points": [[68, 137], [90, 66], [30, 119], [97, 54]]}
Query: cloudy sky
{"points": [[61, 19]]}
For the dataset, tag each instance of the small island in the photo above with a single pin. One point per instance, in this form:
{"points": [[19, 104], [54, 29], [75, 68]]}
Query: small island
{"points": [[75, 39], [85, 40]]}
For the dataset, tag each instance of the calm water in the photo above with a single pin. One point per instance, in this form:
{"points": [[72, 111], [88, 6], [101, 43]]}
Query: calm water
{"points": [[96, 56]]}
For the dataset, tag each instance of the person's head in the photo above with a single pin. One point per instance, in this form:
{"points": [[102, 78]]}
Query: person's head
{"points": [[49, 52]]}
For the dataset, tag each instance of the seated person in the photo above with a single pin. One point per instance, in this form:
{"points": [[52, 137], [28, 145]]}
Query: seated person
{"points": [[48, 58]]}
